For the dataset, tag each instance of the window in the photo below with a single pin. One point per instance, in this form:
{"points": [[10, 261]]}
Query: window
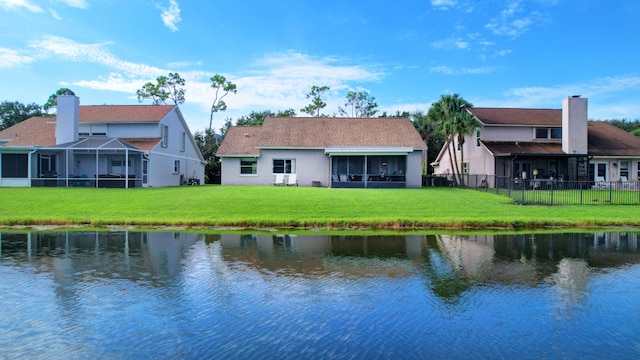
{"points": [[249, 166], [15, 165], [556, 133], [541, 133], [624, 169], [164, 133], [183, 139], [465, 168], [284, 166], [547, 133], [176, 166], [478, 137]]}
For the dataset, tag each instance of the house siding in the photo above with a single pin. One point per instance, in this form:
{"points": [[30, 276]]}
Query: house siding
{"points": [[311, 165]]}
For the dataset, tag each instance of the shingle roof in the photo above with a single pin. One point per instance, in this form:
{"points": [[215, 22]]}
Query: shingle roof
{"points": [[124, 113], [35, 131], [299, 132], [40, 131], [514, 116], [498, 148], [604, 139], [607, 139]]}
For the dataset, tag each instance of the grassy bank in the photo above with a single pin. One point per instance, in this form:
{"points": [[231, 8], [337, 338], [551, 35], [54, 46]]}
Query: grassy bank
{"points": [[216, 206]]}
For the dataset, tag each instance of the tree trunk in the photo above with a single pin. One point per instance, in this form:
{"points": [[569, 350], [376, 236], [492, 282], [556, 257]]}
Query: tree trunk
{"points": [[448, 144]]}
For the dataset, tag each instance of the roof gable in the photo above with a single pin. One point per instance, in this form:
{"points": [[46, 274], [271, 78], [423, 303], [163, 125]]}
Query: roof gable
{"points": [[318, 132]]}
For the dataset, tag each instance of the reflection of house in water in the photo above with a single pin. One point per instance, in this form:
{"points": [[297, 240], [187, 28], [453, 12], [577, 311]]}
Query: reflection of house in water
{"points": [[529, 258], [313, 254], [117, 253]]}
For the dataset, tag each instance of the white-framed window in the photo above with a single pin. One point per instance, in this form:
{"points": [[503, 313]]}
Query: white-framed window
{"points": [[284, 166], [164, 133], [624, 170], [547, 133], [183, 141], [478, 137], [465, 167], [176, 166], [248, 166]]}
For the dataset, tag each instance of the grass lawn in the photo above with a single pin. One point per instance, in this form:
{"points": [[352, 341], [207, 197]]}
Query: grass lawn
{"points": [[304, 207]]}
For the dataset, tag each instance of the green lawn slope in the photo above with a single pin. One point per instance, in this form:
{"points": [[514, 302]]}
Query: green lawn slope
{"points": [[296, 207]]}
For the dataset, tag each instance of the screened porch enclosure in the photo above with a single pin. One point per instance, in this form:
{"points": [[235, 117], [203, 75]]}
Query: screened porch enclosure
{"points": [[91, 162], [368, 171]]}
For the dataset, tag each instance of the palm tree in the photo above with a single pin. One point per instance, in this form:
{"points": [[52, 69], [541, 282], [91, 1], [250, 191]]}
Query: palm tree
{"points": [[458, 126], [455, 122]]}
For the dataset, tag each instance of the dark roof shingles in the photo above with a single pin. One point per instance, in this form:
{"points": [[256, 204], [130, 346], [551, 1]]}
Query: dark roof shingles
{"points": [[298, 132]]}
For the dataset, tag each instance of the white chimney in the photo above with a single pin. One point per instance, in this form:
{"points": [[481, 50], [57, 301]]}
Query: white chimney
{"points": [[574, 125], [68, 118]]}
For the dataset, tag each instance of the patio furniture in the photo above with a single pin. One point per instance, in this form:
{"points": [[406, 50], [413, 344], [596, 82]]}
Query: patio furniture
{"points": [[292, 180], [279, 179]]}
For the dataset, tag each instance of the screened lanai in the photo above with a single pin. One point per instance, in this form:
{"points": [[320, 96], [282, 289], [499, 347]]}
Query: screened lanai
{"points": [[91, 162], [358, 169]]}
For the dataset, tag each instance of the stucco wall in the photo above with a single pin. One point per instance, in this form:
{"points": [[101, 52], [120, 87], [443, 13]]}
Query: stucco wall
{"points": [[311, 165]]}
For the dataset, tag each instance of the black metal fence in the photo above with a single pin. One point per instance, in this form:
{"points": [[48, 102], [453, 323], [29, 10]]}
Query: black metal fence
{"points": [[546, 191]]}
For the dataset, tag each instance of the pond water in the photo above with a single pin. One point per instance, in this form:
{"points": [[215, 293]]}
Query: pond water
{"points": [[161, 295]]}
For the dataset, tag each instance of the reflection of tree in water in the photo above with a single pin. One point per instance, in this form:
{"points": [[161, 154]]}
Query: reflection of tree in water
{"points": [[447, 280]]}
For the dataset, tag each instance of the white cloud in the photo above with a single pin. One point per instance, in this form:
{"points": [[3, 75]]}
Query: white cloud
{"points": [[64, 48], [609, 97], [443, 4], [513, 21], [55, 14], [453, 43], [11, 58], [503, 52], [80, 4], [448, 70], [171, 16], [18, 4], [279, 81]]}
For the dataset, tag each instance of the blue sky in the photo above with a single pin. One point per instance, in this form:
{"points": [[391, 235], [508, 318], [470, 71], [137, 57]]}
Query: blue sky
{"points": [[405, 53]]}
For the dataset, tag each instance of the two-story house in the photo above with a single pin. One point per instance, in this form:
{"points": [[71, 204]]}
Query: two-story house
{"points": [[101, 146], [558, 144]]}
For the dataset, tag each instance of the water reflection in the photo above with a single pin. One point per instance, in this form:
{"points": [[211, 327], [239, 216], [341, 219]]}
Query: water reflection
{"points": [[126, 294]]}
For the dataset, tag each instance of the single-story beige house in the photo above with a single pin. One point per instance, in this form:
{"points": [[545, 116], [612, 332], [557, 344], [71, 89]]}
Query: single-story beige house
{"points": [[319, 151]]}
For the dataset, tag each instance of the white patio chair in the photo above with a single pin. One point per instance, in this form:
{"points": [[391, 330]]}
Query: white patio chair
{"points": [[279, 180], [292, 180]]}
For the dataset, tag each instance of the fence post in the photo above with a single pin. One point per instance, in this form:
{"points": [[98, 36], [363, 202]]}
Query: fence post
{"points": [[610, 192], [580, 192]]}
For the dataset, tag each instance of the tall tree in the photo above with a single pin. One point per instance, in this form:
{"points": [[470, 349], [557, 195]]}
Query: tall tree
{"points": [[427, 127], [316, 95], [361, 104], [169, 87], [444, 111], [257, 117], [52, 102], [223, 87], [12, 113]]}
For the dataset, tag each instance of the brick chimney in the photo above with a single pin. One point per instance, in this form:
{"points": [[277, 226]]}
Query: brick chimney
{"points": [[68, 118], [574, 125]]}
